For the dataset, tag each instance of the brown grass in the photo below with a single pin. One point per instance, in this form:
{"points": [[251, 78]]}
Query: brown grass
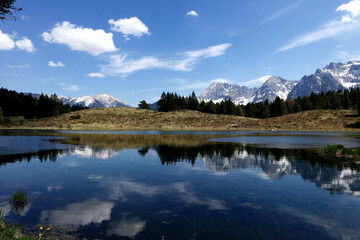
{"points": [[138, 119]]}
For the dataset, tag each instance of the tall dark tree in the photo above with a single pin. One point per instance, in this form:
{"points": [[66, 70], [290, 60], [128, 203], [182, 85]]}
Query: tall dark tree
{"points": [[143, 105], [1, 115], [193, 102], [8, 9]]}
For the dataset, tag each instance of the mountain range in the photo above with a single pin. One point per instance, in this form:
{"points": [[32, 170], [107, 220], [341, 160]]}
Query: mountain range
{"points": [[96, 101], [332, 77]]}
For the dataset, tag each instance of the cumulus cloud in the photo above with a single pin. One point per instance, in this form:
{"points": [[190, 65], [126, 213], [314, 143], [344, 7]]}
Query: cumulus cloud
{"points": [[92, 41], [54, 64], [192, 13], [349, 22], [120, 64], [96, 75], [6, 42], [25, 44], [129, 26], [72, 88], [353, 7]]}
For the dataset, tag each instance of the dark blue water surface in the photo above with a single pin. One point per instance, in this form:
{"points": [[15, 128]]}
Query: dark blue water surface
{"points": [[149, 187]]}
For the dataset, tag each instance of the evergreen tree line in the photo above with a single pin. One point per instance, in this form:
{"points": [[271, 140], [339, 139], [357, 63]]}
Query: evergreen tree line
{"points": [[341, 99], [13, 103]]}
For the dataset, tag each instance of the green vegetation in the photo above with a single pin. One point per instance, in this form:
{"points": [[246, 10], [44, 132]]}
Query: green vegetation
{"points": [[143, 105], [13, 103], [19, 200], [340, 151], [332, 149], [331, 100]]}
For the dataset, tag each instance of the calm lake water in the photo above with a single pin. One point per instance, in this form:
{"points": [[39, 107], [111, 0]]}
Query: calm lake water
{"points": [[181, 185]]}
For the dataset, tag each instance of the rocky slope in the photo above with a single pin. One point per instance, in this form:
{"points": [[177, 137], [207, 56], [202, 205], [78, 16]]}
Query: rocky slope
{"points": [[332, 77]]}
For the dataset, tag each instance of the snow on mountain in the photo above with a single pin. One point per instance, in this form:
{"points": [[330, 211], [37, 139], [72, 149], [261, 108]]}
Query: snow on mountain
{"points": [[95, 101], [221, 91], [332, 77], [273, 87]]}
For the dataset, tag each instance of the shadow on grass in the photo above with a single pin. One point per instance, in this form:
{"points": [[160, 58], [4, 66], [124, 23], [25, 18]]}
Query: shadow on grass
{"points": [[353, 125]]}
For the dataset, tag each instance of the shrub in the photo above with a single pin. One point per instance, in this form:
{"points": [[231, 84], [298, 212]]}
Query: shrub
{"points": [[19, 199], [74, 117], [332, 149]]}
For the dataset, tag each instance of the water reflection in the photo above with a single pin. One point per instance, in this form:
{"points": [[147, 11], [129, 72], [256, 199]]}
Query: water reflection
{"points": [[334, 175], [151, 186], [127, 227], [90, 211]]}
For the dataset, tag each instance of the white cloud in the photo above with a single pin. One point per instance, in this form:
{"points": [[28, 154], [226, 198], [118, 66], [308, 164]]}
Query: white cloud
{"points": [[54, 64], [257, 81], [192, 13], [120, 64], [94, 42], [220, 80], [348, 22], [184, 84], [127, 227], [96, 75], [90, 211], [346, 56], [25, 44], [19, 66], [129, 26], [352, 7], [282, 12], [72, 88], [6, 42], [193, 85]]}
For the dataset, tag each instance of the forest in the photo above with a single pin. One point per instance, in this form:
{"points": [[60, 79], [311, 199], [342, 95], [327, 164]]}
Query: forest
{"points": [[13, 103], [340, 99]]}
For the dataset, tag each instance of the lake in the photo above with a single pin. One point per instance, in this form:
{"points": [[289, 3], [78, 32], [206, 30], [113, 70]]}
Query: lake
{"points": [[182, 185]]}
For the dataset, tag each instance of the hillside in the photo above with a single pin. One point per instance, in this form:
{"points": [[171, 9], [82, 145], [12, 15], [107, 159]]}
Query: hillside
{"points": [[138, 119]]}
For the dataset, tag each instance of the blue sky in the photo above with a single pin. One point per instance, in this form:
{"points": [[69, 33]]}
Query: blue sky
{"points": [[137, 49]]}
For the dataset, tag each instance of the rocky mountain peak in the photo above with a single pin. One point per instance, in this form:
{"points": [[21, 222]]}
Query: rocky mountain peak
{"points": [[333, 76]]}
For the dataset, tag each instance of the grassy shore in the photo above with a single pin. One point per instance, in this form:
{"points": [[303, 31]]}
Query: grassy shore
{"points": [[341, 152], [138, 119]]}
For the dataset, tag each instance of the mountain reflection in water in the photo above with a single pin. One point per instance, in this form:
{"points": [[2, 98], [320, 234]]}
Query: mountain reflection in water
{"points": [[333, 175]]}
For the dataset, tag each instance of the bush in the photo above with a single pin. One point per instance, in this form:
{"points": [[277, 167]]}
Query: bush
{"points": [[19, 199], [332, 149], [74, 117]]}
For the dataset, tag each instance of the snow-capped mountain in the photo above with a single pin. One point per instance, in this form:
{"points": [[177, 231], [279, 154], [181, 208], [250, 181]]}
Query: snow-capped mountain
{"points": [[95, 101], [273, 87], [221, 91], [332, 77]]}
